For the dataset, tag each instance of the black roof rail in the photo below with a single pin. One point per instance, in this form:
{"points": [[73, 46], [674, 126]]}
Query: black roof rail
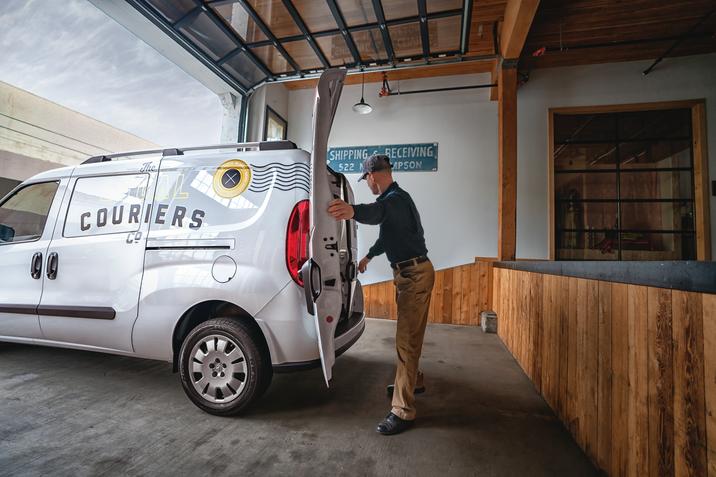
{"points": [[261, 146], [276, 145]]}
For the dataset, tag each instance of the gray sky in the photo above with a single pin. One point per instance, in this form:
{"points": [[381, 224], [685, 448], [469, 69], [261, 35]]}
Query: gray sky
{"points": [[71, 53]]}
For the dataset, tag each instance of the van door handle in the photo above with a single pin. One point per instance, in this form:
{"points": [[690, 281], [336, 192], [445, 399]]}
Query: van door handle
{"points": [[52, 262], [36, 265]]}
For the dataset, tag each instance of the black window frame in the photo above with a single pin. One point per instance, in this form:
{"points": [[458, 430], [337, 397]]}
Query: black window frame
{"points": [[269, 113], [618, 170], [21, 187]]}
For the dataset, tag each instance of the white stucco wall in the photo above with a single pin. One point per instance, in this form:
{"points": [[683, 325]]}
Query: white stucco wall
{"points": [[458, 203]]}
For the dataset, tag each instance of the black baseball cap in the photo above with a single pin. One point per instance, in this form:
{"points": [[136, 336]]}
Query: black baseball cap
{"points": [[376, 162]]}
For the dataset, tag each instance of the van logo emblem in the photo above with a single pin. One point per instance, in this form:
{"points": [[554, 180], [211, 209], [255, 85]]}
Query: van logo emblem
{"points": [[232, 178], [148, 167]]}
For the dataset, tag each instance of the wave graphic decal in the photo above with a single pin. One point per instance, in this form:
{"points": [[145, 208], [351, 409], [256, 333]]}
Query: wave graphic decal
{"points": [[279, 176]]}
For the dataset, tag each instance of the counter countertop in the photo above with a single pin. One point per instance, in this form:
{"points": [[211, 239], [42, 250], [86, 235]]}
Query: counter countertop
{"points": [[678, 275]]}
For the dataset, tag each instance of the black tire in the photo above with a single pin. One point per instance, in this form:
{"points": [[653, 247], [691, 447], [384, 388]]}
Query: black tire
{"points": [[257, 365]]}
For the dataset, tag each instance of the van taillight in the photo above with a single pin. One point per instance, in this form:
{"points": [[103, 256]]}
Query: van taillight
{"points": [[297, 240]]}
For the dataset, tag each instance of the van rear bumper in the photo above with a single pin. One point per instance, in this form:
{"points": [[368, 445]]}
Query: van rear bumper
{"points": [[351, 332]]}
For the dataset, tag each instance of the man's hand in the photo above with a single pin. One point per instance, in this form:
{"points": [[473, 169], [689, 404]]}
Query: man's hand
{"points": [[340, 210], [363, 264]]}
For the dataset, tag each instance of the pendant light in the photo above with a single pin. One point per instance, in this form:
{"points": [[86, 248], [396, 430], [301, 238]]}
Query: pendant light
{"points": [[362, 107]]}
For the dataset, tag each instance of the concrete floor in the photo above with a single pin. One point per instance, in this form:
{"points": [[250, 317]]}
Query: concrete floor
{"points": [[75, 413]]}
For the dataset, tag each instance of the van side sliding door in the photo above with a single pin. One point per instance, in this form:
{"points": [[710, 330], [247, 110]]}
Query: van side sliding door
{"points": [[95, 261]]}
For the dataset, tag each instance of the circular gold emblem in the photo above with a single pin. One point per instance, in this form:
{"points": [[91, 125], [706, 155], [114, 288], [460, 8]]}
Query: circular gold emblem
{"points": [[232, 178]]}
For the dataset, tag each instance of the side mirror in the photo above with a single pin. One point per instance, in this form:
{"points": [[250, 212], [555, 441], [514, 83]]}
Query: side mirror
{"points": [[6, 233]]}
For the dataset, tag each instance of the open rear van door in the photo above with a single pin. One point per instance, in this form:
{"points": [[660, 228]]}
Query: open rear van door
{"points": [[322, 274]]}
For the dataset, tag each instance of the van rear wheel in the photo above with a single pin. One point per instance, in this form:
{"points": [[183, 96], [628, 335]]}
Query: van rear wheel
{"points": [[223, 366]]}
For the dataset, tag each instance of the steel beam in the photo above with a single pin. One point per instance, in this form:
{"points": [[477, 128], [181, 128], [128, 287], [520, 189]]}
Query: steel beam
{"points": [[269, 34], [424, 35], [466, 22], [338, 17], [219, 22], [380, 16]]}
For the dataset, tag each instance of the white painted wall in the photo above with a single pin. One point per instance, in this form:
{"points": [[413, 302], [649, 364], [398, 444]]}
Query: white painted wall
{"points": [[692, 77], [275, 96], [458, 203]]}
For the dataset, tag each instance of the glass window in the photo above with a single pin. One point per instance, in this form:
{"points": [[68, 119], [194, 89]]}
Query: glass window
{"points": [[244, 68], [370, 45], [239, 19], [106, 205], [336, 50], [173, 10], [357, 12], [272, 58], [302, 54], [435, 6], [276, 17], [23, 214], [209, 37], [316, 15], [444, 34], [406, 40], [623, 186], [400, 9]]}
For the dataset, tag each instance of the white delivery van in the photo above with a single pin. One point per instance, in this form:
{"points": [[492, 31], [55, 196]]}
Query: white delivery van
{"points": [[222, 260]]}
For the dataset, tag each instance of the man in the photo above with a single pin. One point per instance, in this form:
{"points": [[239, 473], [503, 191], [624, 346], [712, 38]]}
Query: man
{"points": [[401, 238]]}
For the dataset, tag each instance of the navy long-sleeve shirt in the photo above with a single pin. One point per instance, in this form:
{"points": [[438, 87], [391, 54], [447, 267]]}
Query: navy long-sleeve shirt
{"points": [[401, 233]]}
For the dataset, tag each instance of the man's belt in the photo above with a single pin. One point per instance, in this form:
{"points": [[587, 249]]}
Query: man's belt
{"points": [[408, 263]]}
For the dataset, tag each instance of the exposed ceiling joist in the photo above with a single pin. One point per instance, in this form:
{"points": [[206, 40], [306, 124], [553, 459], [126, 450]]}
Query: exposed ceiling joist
{"points": [[396, 74], [518, 20]]}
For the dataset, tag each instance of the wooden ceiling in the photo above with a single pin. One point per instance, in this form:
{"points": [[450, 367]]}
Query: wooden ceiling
{"points": [[577, 32], [624, 30]]}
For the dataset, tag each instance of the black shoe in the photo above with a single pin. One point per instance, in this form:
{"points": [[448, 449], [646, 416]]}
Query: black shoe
{"points": [[391, 387], [393, 425]]}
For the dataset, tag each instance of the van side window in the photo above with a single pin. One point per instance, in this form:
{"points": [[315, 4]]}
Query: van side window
{"points": [[23, 214], [106, 205]]}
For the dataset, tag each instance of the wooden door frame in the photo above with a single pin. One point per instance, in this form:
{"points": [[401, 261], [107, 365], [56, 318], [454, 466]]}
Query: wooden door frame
{"points": [[699, 144]]}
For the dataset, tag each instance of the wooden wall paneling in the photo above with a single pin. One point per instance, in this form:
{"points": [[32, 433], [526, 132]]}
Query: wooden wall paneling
{"points": [[437, 298], [689, 399], [562, 300], [661, 383], [367, 302], [709, 318], [468, 286], [447, 296], [589, 297], [637, 408], [536, 325], [581, 371], [517, 299], [393, 301], [604, 377], [571, 404], [496, 289], [474, 293], [455, 316], [526, 322], [620, 379], [550, 341]]}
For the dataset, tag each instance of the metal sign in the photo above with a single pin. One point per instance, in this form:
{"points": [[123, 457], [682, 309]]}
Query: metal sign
{"points": [[403, 157]]}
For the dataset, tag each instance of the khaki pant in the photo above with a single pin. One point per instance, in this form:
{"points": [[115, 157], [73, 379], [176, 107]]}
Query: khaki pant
{"points": [[413, 285]]}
